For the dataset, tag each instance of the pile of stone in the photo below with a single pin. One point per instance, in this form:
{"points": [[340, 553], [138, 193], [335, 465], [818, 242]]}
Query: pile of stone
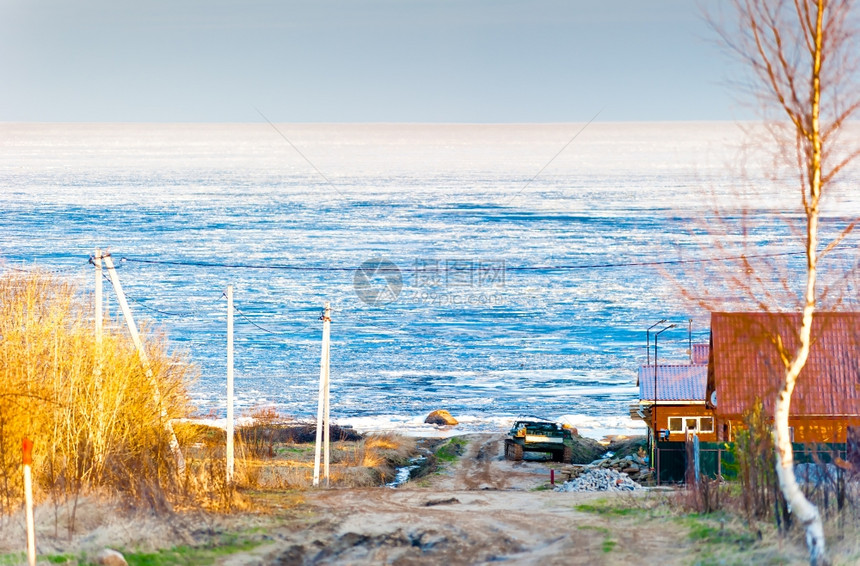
{"points": [[597, 479], [632, 465]]}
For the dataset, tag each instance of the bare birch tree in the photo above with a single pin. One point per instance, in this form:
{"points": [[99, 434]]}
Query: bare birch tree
{"points": [[802, 55]]}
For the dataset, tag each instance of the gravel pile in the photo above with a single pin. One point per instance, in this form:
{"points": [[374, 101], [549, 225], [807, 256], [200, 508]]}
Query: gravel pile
{"points": [[600, 480]]}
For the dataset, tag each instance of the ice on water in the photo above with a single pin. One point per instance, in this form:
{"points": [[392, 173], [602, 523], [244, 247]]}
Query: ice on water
{"points": [[458, 208]]}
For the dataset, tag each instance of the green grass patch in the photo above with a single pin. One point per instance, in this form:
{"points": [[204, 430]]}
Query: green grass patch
{"points": [[701, 532], [191, 555], [719, 541], [604, 507], [452, 450], [715, 528], [283, 450], [608, 545], [21, 558], [14, 558]]}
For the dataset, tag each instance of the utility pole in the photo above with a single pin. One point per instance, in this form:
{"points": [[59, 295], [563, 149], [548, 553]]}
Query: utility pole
{"points": [[229, 384], [323, 401], [99, 314], [98, 440], [144, 359]]}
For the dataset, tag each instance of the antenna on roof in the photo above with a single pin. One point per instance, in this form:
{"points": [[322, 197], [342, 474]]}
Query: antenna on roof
{"points": [[648, 342]]}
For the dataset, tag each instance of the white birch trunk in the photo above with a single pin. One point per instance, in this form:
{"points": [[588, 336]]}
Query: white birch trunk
{"points": [[800, 507], [784, 43]]}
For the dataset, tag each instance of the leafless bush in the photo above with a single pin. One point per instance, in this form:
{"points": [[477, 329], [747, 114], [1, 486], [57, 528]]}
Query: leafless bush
{"points": [[97, 417], [761, 497]]}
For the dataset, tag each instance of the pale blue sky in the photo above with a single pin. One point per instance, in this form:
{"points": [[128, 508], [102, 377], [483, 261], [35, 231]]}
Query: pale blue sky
{"points": [[360, 61]]}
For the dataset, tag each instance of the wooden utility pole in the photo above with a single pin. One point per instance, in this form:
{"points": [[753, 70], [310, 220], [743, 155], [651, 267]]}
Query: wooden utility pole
{"points": [[323, 402], [99, 314], [144, 359], [98, 440], [229, 384]]}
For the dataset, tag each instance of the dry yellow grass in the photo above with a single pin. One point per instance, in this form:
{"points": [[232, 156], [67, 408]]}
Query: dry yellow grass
{"points": [[381, 453], [97, 419]]}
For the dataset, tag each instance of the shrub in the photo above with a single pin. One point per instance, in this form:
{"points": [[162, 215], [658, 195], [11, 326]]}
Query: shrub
{"points": [[97, 416], [755, 458]]}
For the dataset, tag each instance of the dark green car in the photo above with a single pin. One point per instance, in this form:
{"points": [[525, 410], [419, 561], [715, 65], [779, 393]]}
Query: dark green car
{"points": [[539, 436]]}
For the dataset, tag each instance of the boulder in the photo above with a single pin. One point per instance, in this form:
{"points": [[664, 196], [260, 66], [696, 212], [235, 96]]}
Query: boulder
{"points": [[110, 557], [441, 417]]}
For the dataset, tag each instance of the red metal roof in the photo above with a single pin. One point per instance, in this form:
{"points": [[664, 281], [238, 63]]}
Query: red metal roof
{"points": [[700, 353], [746, 364], [674, 382]]}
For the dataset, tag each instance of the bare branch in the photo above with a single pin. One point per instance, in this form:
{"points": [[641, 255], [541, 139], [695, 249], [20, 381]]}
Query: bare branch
{"points": [[826, 179], [838, 239]]}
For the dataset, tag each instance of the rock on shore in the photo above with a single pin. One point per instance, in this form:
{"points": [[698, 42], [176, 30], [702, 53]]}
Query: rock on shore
{"points": [[441, 417]]}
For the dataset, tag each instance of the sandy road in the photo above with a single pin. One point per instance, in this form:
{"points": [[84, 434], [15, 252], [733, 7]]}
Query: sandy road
{"points": [[482, 509], [478, 510]]}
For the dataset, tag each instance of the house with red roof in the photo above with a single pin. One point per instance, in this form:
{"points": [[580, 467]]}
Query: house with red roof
{"points": [[746, 365], [672, 401], [710, 396]]}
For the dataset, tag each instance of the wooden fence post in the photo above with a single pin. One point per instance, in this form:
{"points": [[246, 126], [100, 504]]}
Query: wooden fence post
{"points": [[27, 446]]}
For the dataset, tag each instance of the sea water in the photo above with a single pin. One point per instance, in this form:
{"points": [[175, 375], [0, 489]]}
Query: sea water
{"points": [[490, 270]]}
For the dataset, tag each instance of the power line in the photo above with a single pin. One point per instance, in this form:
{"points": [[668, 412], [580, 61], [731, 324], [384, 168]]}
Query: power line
{"points": [[187, 314], [266, 330], [234, 265], [37, 269], [459, 264], [576, 135], [297, 150]]}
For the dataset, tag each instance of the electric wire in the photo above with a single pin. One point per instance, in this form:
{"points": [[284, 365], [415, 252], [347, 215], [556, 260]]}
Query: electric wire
{"points": [[186, 315], [395, 269], [57, 270], [576, 135], [262, 328], [297, 150]]}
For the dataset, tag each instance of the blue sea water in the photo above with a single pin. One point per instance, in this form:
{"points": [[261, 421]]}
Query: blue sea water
{"points": [[521, 262]]}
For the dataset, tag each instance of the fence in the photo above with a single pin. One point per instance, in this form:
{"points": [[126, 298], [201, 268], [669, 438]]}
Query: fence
{"points": [[717, 459]]}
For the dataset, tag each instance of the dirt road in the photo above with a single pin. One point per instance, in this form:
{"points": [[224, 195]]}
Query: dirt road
{"points": [[481, 509]]}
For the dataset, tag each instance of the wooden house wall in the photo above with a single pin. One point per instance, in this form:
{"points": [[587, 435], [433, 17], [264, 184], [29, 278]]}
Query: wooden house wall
{"points": [[807, 430]]}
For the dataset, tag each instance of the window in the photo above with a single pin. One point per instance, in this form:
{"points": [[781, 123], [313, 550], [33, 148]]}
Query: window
{"points": [[679, 425]]}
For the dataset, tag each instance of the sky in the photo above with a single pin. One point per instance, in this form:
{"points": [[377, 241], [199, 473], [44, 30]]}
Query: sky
{"points": [[482, 61]]}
